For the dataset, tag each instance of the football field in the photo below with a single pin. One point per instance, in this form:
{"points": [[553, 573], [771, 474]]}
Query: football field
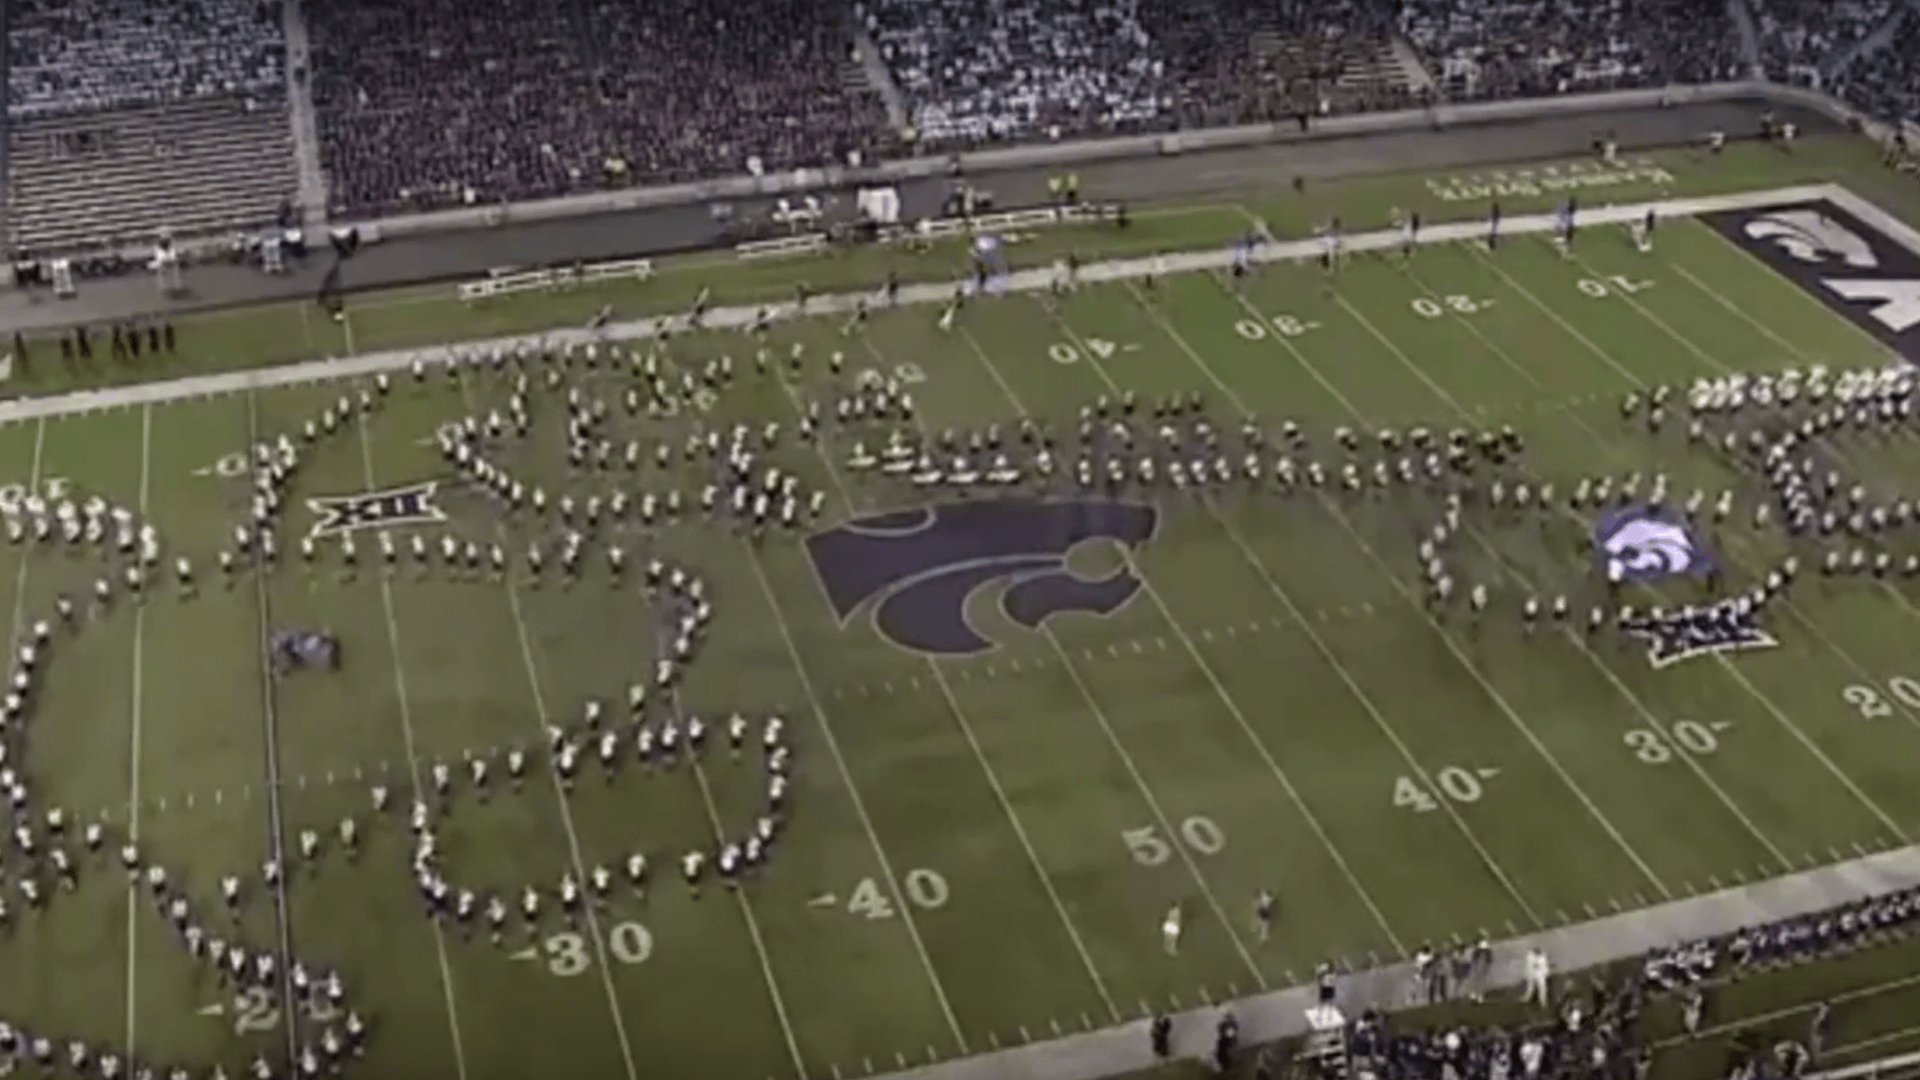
{"points": [[1020, 729]]}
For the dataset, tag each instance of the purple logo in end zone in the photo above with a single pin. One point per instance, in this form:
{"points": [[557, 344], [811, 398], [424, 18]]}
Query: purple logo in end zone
{"points": [[1860, 272], [1636, 543], [920, 568]]}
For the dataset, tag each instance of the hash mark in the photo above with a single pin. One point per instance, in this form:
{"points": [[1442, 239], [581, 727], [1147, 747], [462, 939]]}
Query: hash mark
{"points": [[1858, 848], [1512, 930], [1591, 914], [1136, 647], [1086, 1024], [932, 1054], [868, 1062], [1561, 916], [913, 682], [1111, 651], [835, 1069], [218, 796], [1055, 1025], [900, 1058], [1025, 1035], [163, 802], [1014, 664], [1835, 852], [1367, 607], [189, 800], [1714, 881], [1614, 902], [1233, 990], [991, 671]]}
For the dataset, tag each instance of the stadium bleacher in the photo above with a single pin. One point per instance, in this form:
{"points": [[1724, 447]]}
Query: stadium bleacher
{"points": [[129, 117], [425, 104], [1800, 40], [1528, 48], [1886, 84]]}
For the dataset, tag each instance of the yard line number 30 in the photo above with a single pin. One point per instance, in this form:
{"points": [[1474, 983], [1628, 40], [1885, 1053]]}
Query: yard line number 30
{"points": [[627, 943]]}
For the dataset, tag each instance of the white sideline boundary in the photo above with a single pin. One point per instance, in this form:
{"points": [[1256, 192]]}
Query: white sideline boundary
{"points": [[159, 393], [1281, 1013]]}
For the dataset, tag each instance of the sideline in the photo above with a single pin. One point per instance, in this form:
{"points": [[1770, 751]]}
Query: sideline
{"points": [[1282, 1013], [738, 316]]}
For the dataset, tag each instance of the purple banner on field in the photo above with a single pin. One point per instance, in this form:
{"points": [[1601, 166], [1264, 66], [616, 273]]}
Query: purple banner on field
{"points": [[1863, 275]]}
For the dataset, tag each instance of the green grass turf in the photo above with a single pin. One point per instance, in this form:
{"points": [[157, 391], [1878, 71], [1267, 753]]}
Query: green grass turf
{"points": [[1022, 818]]}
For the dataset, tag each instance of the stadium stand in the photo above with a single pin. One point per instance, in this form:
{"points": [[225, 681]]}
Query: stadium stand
{"points": [[425, 104], [976, 71], [131, 117], [1800, 40], [1886, 84], [1252, 62], [1595, 1032], [1523, 48], [981, 71]]}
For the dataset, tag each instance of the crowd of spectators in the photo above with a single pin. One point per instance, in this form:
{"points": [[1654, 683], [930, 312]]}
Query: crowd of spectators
{"points": [[1885, 83], [1597, 1028], [69, 56], [1257, 61], [423, 104], [1801, 39], [1527, 48], [983, 70]]}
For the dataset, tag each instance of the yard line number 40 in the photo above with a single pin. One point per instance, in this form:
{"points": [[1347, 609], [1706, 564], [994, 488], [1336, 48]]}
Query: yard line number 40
{"points": [[1453, 783]]}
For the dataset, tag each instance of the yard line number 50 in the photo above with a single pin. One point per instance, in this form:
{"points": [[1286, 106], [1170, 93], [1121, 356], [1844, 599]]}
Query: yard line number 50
{"points": [[1197, 833]]}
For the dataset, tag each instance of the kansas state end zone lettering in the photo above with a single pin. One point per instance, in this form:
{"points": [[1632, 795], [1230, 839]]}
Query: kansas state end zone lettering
{"points": [[1851, 266], [409, 505], [921, 567]]}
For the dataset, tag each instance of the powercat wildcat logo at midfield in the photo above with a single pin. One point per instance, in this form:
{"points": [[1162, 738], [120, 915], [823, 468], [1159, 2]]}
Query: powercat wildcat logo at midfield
{"points": [[918, 569], [1853, 267]]}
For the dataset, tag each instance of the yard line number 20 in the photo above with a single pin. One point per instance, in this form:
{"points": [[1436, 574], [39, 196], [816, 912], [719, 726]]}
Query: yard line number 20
{"points": [[1871, 702], [254, 1011]]}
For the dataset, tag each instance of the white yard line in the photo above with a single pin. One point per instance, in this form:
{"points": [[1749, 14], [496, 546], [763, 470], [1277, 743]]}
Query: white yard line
{"points": [[133, 768], [973, 741], [737, 316], [853, 793], [543, 722], [1233, 709], [1499, 700], [270, 728], [405, 702], [1766, 702], [1325, 650], [1647, 715], [787, 1031]]}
